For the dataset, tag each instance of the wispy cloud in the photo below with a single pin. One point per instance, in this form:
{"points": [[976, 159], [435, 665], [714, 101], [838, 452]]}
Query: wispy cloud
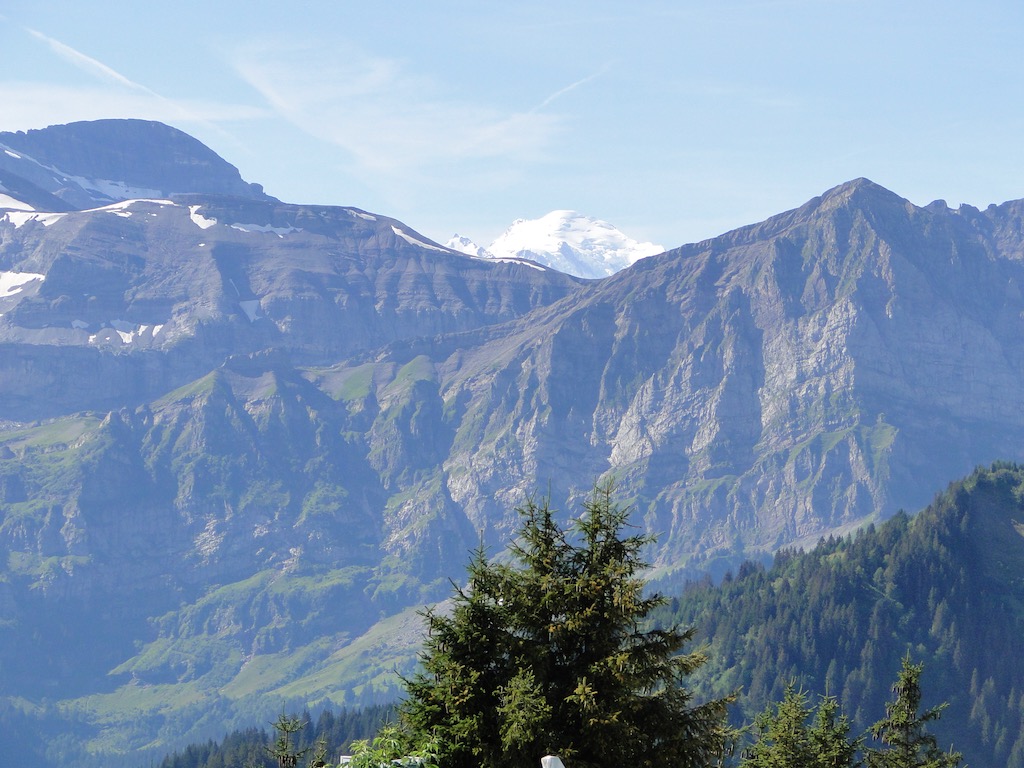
{"points": [[572, 86], [388, 120], [88, 64], [115, 95], [35, 105]]}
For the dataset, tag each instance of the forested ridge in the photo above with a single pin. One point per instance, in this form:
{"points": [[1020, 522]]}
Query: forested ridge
{"points": [[946, 585]]}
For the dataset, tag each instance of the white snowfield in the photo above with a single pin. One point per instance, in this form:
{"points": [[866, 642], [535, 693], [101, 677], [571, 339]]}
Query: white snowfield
{"points": [[115, 190], [130, 332], [26, 213], [21, 218], [125, 205], [465, 245], [6, 201], [204, 222], [468, 247], [415, 241], [251, 307], [125, 331], [266, 229], [19, 214], [198, 219], [521, 262], [112, 190], [15, 282], [564, 240]]}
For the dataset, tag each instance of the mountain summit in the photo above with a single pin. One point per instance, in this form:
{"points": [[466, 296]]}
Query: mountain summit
{"points": [[564, 240], [93, 163]]}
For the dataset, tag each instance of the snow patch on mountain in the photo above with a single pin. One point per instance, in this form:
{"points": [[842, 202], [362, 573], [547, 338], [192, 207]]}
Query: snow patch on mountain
{"points": [[266, 229], [123, 330], [6, 201], [20, 218], [124, 205], [464, 245], [13, 282], [198, 219], [414, 240], [564, 240], [251, 307], [112, 190]]}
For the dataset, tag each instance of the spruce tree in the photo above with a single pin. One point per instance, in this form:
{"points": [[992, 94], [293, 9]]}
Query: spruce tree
{"points": [[284, 750], [829, 737], [551, 654], [784, 739], [903, 730]]}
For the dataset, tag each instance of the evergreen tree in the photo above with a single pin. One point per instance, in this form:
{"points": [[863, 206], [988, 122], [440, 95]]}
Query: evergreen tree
{"points": [[829, 737], [784, 739], [550, 655], [284, 749], [903, 730]]}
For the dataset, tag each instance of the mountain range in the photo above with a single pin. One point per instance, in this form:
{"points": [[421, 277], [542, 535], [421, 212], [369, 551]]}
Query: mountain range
{"points": [[241, 441]]}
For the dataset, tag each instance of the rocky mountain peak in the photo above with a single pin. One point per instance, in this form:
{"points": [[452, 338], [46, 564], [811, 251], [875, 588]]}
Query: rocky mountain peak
{"points": [[96, 162], [859, 193]]}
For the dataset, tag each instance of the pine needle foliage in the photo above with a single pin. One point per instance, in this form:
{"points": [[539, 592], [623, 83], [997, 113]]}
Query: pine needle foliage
{"points": [[904, 729], [552, 654], [790, 734]]}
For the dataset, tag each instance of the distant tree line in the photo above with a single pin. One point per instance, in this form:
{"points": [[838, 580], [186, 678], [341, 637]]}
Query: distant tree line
{"points": [[254, 747]]}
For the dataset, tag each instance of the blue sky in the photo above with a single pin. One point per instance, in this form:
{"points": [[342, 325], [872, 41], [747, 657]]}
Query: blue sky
{"points": [[675, 121]]}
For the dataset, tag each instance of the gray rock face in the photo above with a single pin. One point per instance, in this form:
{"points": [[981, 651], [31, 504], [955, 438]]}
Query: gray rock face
{"points": [[767, 387]]}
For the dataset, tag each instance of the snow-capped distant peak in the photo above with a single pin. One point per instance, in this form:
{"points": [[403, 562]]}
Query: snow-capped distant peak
{"points": [[572, 243], [465, 245]]}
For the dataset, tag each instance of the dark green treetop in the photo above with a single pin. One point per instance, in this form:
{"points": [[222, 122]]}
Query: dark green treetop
{"points": [[786, 736], [551, 654], [903, 730]]}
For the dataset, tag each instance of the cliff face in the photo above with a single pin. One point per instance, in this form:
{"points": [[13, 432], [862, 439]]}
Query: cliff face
{"points": [[240, 432], [783, 381]]}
